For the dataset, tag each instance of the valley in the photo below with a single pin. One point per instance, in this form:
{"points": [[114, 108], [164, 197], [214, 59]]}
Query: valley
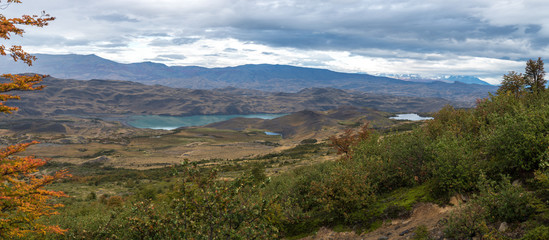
{"points": [[79, 122], [273, 120]]}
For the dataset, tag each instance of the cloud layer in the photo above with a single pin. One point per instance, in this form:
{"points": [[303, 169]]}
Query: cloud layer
{"points": [[468, 37]]}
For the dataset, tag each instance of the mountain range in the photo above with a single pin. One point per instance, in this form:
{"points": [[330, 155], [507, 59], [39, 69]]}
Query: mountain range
{"points": [[264, 77], [446, 78]]}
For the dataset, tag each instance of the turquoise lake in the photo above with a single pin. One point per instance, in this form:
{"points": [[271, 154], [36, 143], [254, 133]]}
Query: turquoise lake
{"points": [[171, 122]]}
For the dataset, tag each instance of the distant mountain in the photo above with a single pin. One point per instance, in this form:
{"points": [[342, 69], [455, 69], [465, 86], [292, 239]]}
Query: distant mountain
{"points": [[466, 79], [447, 79], [264, 77]]}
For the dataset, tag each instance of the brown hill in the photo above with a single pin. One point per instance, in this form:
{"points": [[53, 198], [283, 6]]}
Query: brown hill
{"points": [[111, 98], [305, 123]]}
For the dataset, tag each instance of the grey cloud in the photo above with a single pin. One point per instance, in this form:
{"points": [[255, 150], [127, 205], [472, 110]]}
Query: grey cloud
{"points": [[231, 50], [172, 56], [375, 28], [156, 34], [183, 41], [430, 27], [115, 17], [161, 43], [532, 29], [112, 45]]}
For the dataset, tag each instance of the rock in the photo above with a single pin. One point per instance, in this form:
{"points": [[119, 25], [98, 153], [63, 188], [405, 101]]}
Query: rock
{"points": [[454, 201], [458, 199], [503, 227], [404, 232], [383, 238]]}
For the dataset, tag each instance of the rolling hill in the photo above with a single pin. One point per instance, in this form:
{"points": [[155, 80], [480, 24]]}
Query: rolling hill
{"points": [[111, 98]]}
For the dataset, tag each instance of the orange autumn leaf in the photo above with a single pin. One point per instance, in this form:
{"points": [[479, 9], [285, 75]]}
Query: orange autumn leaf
{"points": [[23, 199]]}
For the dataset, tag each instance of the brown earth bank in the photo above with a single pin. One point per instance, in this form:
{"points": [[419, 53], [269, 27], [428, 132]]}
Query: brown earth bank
{"points": [[426, 215], [114, 98]]}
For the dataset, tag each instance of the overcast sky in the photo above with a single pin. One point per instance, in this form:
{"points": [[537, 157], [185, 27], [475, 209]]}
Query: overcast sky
{"points": [[484, 38]]}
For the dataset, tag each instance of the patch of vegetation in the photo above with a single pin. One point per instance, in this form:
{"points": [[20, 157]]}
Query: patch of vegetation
{"points": [[298, 151], [108, 152]]}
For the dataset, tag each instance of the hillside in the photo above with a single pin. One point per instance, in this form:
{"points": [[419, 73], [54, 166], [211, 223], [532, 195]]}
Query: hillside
{"points": [[109, 98], [309, 123], [265, 77]]}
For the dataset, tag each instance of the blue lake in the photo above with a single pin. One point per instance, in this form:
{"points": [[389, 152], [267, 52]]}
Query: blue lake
{"points": [[410, 117], [171, 122]]}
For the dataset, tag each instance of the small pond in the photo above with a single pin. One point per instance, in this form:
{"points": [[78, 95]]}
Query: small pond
{"points": [[410, 117]]}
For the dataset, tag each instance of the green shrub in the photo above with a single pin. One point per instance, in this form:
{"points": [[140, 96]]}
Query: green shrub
{"points": [[421, 233], [454, 168], [496, 202], [466, 222], [346, 189], [518, 142], [538, 233], [504, 202], [398, 160]]}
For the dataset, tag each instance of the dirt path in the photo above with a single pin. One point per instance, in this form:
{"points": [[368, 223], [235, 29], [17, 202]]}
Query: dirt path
{"points": [[426, 214]]}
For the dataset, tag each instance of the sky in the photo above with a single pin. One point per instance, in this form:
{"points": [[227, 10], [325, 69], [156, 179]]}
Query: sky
{"points": [[483, 38]]}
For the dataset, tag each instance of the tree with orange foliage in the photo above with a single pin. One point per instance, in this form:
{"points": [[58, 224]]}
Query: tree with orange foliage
{"points": [[344, 143], [23, 198]]}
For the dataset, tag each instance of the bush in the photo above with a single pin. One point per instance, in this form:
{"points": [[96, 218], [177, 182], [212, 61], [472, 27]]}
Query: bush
{"points": [[394, 161], [115, 201], [466, 222], [538, 233], [504, 202], [421, 233], [201, 207], [346, 189], [454, 168], [496, 202], [518, 142]]}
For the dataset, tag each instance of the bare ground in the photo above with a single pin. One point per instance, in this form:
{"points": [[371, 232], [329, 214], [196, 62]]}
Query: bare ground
{"points": [[426, 214]]}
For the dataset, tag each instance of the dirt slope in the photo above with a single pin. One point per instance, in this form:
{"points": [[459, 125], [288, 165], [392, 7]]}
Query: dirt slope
{"points": [[426, 214]]}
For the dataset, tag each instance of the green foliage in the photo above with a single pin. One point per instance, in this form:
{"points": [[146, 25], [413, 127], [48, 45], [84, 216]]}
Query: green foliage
{"points": [[496, 202], [518, 140], [538, 233], [394, 161], [421, 233], [534, 74], [467, 222], [202, 207], [199, 206], [503, 201], [454, 168], [342, 191], [513, 83]]}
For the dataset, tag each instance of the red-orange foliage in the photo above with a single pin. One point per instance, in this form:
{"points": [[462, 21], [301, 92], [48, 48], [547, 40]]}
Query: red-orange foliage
{"points": [[22, 197], [9, 26], [344, 143]]}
